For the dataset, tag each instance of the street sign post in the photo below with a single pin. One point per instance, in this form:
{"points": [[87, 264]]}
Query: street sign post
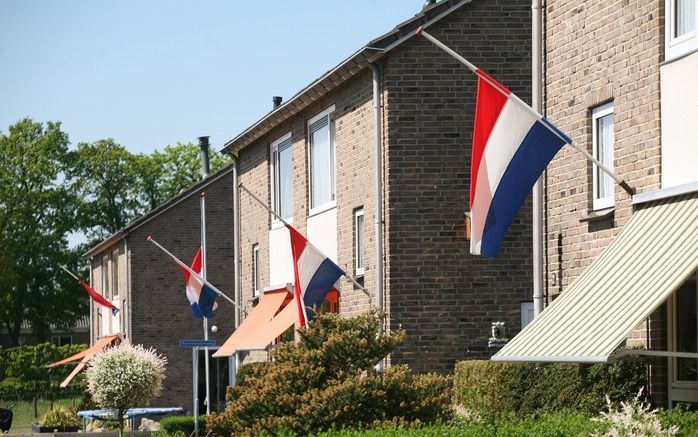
{"points": [[195, 345]]}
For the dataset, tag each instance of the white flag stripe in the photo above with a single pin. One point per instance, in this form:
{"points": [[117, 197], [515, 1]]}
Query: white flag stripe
{"points": [[308, 264]]}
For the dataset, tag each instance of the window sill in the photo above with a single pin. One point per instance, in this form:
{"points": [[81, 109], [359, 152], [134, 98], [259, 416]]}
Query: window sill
{"points": [[359, 273], [322, 208], [599, 214], [278, 224]]}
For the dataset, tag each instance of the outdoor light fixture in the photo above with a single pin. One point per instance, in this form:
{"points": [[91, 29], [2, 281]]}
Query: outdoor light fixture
{"points": [[498, 338], [214, 329]]}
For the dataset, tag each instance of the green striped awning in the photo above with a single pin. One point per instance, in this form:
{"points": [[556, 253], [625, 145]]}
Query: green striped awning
{"points": [[650, 258]]}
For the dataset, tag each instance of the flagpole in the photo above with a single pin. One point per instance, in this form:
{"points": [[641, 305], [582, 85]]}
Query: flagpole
{"points": [[69, 272], [203, 275], [278, 217], [474, 69], [192, 272]]}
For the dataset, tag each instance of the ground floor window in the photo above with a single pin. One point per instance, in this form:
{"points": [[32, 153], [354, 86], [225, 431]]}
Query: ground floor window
{"points": [[684, 332], [60, 340]]}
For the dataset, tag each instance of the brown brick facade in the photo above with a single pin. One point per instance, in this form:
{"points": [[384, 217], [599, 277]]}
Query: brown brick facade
{"points": [[442, 296], [159, 313], [598, 52]]}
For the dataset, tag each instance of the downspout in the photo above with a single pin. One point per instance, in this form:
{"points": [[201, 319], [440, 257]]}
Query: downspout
{"points": [[536, 79], [378, 179], [127, 314], [235, 362]]}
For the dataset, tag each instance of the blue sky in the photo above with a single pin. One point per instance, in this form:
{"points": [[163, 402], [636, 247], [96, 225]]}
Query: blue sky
{"points": [[152, 73]]}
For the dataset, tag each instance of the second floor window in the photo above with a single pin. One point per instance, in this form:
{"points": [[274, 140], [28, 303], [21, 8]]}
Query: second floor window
{"points": [[282, 177], [359, 241], [603, 139], [115, 273], [256, 278], [106, 277], [681, 36], [322, 168]]}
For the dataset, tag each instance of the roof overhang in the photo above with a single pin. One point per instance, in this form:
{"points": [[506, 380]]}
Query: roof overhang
{"points": [[145, 218], [343, 72], [648, 260]]}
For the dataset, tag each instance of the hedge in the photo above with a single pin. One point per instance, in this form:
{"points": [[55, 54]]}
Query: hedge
{"points": [[11, 389], [28, 363], [183, 424], [492, 389]]}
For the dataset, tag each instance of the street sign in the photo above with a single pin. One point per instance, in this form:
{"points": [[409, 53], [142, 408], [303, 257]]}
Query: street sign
{"points": [[197, 343]]}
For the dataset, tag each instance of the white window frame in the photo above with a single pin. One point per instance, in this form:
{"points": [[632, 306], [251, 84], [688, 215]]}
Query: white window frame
{"points": [[359, 241], [679, 391], [276, 180], [315, 209], [597, 113], [256, 277], [115, 274], [678, 46], [106, 277]]}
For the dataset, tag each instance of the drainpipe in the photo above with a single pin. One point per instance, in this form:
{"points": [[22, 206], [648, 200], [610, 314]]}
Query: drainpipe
{"points": [[536, 79], [378, 175], [235, 362]]}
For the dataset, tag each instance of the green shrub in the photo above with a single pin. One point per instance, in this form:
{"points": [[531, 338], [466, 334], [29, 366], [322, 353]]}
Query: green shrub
{"points": [[492, 388], [328, 380], [546, 425], [60, 416], [686, 420], [13, 388], [28, 363], [184, 424]]}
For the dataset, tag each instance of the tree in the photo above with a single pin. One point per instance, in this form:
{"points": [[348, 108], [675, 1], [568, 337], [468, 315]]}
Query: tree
{"points": [[104, 175], [163, 175], [37, 211], [125, 376]]}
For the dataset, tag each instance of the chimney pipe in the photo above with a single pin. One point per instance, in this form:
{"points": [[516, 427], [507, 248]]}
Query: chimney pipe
{"points": [[205, 168], [277, 101]]}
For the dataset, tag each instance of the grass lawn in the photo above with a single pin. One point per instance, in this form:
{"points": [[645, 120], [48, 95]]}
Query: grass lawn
{"points": [[24, 412]]}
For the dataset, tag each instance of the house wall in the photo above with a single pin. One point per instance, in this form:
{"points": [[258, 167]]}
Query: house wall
{"points": [[596, 52], [443, 297], [159, 314], [353, 120]]}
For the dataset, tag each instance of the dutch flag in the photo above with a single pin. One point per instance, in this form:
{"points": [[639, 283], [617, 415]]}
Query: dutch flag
{"points": [[315, 274], [201, 297], [511, 148]]}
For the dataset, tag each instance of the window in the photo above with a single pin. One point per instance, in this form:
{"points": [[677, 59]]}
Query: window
{"points": [[255, 271], [686, 330], [62, 340], [321, 152], [681, 17], [106, 277], [602, 140], [115, 273], [282, 177], [359, 241]]}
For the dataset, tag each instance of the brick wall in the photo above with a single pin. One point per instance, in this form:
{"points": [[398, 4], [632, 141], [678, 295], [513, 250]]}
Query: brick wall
{"points": [[353, 118], [596, 52], [159, 313], [442, 296]]}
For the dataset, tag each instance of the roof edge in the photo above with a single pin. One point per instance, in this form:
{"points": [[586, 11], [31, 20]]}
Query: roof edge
{"points": [[370, 52], [153, 213]]}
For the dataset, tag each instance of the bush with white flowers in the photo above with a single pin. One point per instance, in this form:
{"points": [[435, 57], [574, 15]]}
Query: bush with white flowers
{"points": [[124, 377], [634, 419]]}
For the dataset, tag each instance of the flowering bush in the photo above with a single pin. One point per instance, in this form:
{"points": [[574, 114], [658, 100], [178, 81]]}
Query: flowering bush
{"points": [[634, 418], [125, 376]]}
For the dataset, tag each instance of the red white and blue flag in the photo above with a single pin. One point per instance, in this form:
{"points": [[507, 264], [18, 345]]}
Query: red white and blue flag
{"points": [[315, 274], [98, 298], [511, 148], [201, 297]]}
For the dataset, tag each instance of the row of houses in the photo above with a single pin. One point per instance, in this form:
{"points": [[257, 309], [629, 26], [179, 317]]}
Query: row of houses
{"points": [[371, 161]]}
